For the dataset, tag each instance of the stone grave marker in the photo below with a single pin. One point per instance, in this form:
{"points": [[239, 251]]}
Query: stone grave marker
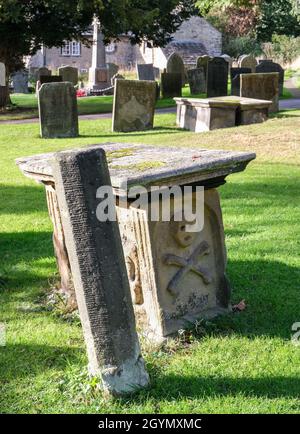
{"points": [[42, 71], [145, 72], [175, 276], [171, 84], [99, 272], [248, 61], [217, 77], [196, 79], [69, 73], [202, 61], [235, 79], [270, 66], [50, 79], [113, 69], [58, 110], [116, 77], [263, 86], [20, 81], [228, 59], [134, 104], [175, 65], [2, 75]]}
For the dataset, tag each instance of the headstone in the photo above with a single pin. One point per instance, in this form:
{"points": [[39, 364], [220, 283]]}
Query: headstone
{"points": [[175, 65], [261, 86], [99, 272], [58, 110], [145, 72], [175, 276], [156, 72], [69, 73], [20, 81], [196, 79], [248, 61], [134, 105], [42, 71], [235, 79], [270, 66], [171, 84], [116, 77], [203, 61], [217, 77], [113, 69], [50, 79], [228, 59], [2, 74]]}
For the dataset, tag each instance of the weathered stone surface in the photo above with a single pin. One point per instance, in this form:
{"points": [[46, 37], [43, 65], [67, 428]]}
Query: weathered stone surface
{"points": [[99, 272], [200, 115], [203, 61], [98, 73], [50, 79], [116, 77], [248, 61], [145, 72], [171, 84], [2, 74], [265, 66], [235, 79], [196, 79], [20, 81], [228, 59], [175, 65], [69, 73], [134, 104], [42, 72], [175, 276], [217, 77], [58, 110], [261, 86]]}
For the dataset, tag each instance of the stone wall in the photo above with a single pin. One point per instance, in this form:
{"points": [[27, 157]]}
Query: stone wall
{"points": [[199, 29]]}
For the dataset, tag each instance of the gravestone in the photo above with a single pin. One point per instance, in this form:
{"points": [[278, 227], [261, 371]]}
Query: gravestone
{"points": [[235, 79], [145, 72], [113, 69], [50, 79], [228, 59], [20, 81], [2, 75], [270, 66], [263, 86], [156, 73], [196, 79], [248, 61], [203, 61], [42, 71], [175, 276], [134, 104], [175, 65], [217, 77], [58, 110], [171, 84], [99, 272], [69, 73], [116, 77]]}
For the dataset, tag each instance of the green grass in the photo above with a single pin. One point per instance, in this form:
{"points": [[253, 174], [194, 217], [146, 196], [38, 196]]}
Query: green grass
{"points": [[240, 363]]}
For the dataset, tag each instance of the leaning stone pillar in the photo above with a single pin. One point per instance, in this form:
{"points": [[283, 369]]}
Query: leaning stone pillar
{"points": [[99, 272]]}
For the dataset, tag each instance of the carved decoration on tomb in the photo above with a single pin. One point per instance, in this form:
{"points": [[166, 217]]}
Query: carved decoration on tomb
{"points": [[187, 265]]}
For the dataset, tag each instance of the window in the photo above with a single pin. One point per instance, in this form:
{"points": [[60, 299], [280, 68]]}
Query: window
{"points": [[110, 48], [71, 49]]}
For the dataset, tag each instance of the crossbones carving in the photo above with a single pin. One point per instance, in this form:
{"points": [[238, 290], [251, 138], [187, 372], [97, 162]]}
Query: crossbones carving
{"points": [[187, 265]]}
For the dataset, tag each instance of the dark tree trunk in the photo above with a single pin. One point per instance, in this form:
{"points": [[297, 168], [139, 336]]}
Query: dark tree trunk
{"points": [[4, 96]]}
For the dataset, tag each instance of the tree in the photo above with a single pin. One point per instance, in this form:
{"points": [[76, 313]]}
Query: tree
{"points": [[26, 25]]}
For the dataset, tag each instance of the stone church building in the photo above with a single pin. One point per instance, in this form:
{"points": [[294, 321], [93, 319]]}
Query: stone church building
{"points": [[194, 38]]}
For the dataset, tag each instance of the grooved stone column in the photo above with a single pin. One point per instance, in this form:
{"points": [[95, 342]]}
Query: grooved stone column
{"points": [[99, 272]]}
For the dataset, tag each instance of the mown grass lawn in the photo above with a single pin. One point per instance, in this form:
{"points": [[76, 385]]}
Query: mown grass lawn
{"points": [[244, 362]]}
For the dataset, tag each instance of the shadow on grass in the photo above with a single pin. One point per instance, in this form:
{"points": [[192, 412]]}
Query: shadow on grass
{"points": [[22, 199], [154, 132]]}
